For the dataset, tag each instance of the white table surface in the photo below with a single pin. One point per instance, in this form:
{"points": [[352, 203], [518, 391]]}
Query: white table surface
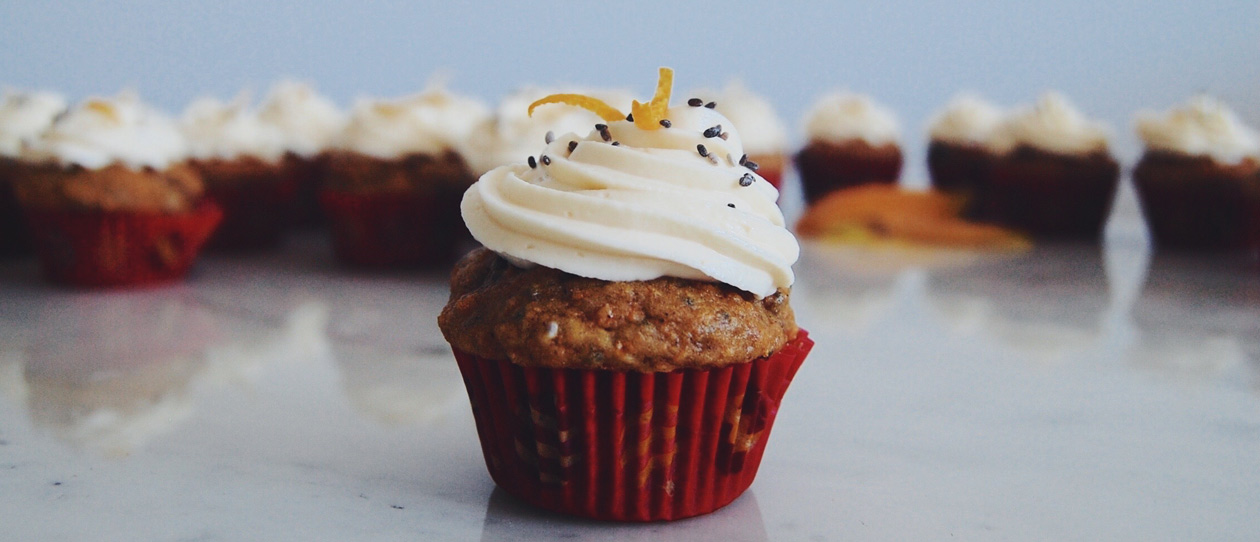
{"points": [[1069, 394]]}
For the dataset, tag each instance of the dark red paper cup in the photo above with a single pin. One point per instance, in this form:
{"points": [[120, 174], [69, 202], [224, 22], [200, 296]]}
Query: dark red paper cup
{"points": [[14, 237], [102, 249], [394, 230], [253, 214], [626, 446]]}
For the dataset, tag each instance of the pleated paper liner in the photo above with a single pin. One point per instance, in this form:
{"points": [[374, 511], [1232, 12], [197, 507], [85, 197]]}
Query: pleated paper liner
{"points": [[627, 446], [104, 249], [254, 213], [14, 237], [394, 229]]}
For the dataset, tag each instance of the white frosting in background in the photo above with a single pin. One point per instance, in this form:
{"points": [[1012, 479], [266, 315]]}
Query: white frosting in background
{"points": [[103, 131], [1052, 125], [967, 120], [647, 208], [24, 116], [842, 117], [755, 118], [432, 122], [1203, 127], [513, 134], [227, 131], [307, 121]]}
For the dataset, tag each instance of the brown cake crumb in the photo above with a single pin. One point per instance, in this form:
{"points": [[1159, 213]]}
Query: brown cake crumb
{"points": [[113, 188], [542, 317]]}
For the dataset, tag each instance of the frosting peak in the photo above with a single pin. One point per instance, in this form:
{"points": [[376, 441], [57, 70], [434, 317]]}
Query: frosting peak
{"points": [[307, 121], [1203, 127], [431, 122], [844, 116], [627, 203], [24, 116], [1052, 125], [104, 131], [967, 120], [215, 129]]}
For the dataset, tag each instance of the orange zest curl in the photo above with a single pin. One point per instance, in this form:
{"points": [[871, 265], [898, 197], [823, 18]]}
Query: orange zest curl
{"points": [[594, 105], [647, 116]]}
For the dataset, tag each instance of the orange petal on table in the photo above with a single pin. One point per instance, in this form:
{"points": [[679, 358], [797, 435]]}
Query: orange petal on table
{"points": [[594, 105]]}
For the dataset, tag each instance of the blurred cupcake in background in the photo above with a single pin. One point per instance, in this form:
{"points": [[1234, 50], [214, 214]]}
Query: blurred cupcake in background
{"points": [[960, 148], [24, 116], [513, 134], [1056, 177], [308, 124], [1197, 181], [851, 141], [110, 199], [764, 135], [395, 179]]}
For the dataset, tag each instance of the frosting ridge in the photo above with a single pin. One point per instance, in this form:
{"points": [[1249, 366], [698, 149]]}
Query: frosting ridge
{"points": [[1202, 127]]}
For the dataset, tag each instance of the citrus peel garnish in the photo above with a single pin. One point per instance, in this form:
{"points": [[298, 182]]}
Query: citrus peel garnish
{"points": [[104, 108], [877, 214], [594, 105], [647, 116]]}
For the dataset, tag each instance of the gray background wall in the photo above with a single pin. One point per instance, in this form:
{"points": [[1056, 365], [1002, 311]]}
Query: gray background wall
{"points": [[1111, 58]]}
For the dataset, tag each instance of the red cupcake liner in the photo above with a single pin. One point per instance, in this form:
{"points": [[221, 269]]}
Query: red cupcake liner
{"points": [[824, 170], [627, 446], [99, 249], [14, 237], [389, 229], [254, 214], [1051, 196], [305, 175]]}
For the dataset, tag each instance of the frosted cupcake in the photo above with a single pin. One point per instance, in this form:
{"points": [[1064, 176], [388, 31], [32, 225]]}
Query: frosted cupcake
{"points": [[395, 178], [763, 132], [110, 199], [239, 158], [1197, 181], [852, 141], [308, 124], [24, 116], [960, 148], [513, 134], [1056, 177], [626, 336]]}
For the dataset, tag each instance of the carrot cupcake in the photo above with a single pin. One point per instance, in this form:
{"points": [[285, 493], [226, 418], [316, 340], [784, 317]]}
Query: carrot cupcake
{"points": [[1056, 177], [765, 136], [626, 336], [852, 141], [1197, 181], [395, 178], [960, 148], [110, 199], [24, 116], [239, 158], [308, 123]]}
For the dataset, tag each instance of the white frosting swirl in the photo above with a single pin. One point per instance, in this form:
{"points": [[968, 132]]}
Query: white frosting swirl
{"points": [[967, 120], [432, 122], [842, 117], [513, 134], [307, 121], [1204, 127], [103, 131], [24, 116], [226, 131], [647, 208], [1052, 125], [761, 127]]}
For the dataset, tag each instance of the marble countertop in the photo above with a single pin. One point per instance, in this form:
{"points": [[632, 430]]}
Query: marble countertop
{"points": [[1068, 394]]}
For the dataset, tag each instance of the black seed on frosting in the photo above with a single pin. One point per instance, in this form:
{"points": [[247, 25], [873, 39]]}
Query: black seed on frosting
{"points": [[743, 159], [751, 165], [724, 135], [731, 205], [603, 132], [551, 136], [572, 145], [711, 105], [746, 180], [665, 123], [546, 160], [616, 143], [630, 117], [714, 131], [695, 102], [703, 151], [533, 163]]}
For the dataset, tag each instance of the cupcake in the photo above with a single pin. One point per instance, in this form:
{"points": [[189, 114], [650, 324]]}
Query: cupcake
{"points": [[308, 123], [1197, 181], [626, 337], [395, 178], [512, 134], [765, 136], [240, 160], [1056, 178], [960, 151], [110, 199], [23, 117], [852, 141]]}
